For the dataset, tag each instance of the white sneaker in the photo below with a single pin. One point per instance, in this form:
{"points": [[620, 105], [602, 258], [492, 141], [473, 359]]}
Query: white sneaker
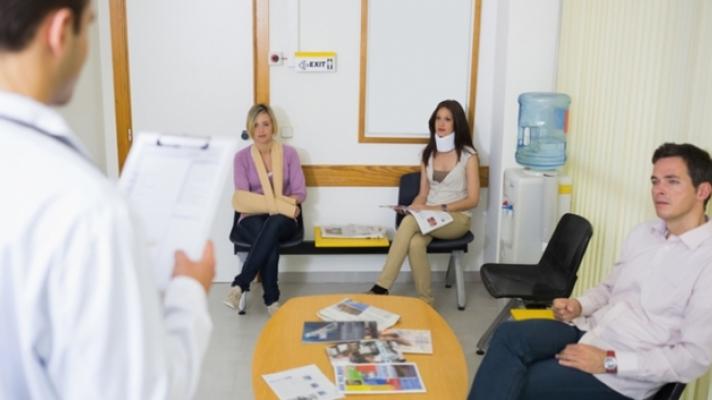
{"points": [[233, 297], [272, 308]]}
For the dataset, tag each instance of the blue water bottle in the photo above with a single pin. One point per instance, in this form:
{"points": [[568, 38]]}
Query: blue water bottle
{"points": [[543, 120]]}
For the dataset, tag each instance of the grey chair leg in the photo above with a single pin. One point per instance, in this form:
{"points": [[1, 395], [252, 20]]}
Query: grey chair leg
{"points": [[448, 274], [503, 315], [243, 303], [243, 299], [456, 259]]}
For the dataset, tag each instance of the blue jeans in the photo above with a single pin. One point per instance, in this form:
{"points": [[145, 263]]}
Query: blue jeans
{"points": [[263, 232], [520, 364]]}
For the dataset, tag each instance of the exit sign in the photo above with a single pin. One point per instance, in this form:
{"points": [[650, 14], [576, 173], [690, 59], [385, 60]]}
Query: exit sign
{"points": [[315, 61]]}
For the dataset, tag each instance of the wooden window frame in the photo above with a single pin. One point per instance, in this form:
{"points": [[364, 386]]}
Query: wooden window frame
{"points": [[472, 95]]}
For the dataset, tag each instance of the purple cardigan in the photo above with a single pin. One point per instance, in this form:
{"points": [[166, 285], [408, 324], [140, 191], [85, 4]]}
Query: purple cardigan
{"points": [[246, 178]]}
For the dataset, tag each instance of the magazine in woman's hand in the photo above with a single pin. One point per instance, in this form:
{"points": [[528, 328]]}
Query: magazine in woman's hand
{"points": [[428, 220]]}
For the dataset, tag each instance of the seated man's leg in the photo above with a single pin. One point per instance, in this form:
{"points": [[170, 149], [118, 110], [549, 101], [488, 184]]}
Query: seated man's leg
{"points": [[548, 380], [514, 347]]}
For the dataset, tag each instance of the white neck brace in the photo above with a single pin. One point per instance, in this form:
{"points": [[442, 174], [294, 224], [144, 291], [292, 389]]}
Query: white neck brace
{"points": [[446, 143]]}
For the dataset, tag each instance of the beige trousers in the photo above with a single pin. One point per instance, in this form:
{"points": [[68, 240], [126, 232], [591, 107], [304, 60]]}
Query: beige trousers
{"points": [[409, 241]]}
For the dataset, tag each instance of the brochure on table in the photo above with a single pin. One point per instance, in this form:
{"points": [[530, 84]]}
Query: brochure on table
{"points": [[378, 378], [416, 341], [364, 352], [306, 382], [338, 331], [349, 310]]}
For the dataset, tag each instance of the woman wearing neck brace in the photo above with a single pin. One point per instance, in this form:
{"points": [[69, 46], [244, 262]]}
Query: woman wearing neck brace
{"points": [[269, 186], [449, 181]]}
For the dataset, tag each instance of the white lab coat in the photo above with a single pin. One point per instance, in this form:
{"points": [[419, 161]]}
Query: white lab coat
{"points": [[80, 316]]}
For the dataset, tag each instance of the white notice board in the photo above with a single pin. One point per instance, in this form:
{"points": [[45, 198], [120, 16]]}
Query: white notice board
{"points": [[419, 53]]}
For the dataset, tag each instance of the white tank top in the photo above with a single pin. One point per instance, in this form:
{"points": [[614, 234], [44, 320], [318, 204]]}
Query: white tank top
{"points": [[454, 186]]}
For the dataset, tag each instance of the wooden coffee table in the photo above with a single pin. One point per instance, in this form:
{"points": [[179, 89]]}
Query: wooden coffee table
{"points": [[280, 346]]}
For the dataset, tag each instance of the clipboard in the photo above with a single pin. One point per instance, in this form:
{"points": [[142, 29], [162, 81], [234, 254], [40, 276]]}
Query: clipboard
{"points": [[173, 184]]}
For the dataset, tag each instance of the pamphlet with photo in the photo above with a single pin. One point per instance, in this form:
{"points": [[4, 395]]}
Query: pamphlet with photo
{"points": [[349, 310], [364, 352], [409, 340], [378, 378], [338, 331]]}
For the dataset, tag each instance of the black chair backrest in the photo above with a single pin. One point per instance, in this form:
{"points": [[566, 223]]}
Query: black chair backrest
{"points": [[566, 248], [670, 391], [234, 231], [407, 190]]}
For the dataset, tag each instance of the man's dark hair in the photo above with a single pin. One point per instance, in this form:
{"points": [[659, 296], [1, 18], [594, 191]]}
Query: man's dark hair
{"points": [[19, 19], [699, 164]]}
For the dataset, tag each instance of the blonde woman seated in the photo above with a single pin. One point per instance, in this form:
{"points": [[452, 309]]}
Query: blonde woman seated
{"points": [[269, 186], [449, 181]]}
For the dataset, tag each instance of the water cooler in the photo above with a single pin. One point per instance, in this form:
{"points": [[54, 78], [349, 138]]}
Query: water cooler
{"points": [[529, 214], [537, 195]]}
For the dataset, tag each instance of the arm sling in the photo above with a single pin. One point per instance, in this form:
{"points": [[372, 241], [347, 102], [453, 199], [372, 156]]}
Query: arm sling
{"points": [[272, 201]]}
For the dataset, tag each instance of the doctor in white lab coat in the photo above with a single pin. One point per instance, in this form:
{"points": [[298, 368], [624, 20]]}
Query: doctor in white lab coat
{"points": [[80, 317]]}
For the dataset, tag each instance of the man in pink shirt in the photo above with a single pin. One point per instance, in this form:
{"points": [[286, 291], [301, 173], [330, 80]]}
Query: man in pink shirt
{"points": [[648, 323]]}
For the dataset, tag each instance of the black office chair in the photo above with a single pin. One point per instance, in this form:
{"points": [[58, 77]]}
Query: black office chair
{"points": [[407, 190], [241, 248], [554, 276], [670, 391]]}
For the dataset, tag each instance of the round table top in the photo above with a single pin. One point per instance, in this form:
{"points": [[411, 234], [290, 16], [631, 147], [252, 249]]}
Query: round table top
{"points": [[280, 346]]}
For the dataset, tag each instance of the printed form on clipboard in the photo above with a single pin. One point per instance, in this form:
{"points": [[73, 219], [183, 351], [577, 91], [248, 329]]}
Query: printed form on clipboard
{"points": [[173, 185]]}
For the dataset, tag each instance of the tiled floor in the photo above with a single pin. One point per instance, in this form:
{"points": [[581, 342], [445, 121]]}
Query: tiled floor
{"points": [[227, 366]]}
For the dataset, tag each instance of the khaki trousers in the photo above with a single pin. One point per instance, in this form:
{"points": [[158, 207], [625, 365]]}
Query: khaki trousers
{"points": [[409, 241]]}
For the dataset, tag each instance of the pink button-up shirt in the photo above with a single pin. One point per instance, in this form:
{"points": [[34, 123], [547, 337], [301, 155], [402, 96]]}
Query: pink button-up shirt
{"points": [[654, 309]]}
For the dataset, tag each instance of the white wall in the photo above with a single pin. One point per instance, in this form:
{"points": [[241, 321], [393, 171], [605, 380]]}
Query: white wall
{"points": [[106, 83], [518, 43], [191, 71], [522, 39], [84, 113], [415, 62], [322, 111]]}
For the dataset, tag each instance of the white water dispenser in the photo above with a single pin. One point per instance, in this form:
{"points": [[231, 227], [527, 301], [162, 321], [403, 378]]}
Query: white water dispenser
{"points": [[530, 212]]}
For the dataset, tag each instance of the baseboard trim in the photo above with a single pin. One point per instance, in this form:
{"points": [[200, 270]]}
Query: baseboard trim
{"points": [[361, 276]]}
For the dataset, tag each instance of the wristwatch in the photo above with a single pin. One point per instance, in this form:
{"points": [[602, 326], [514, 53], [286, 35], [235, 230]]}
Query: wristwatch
{"points": [[610, 363], [443, 207]]}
